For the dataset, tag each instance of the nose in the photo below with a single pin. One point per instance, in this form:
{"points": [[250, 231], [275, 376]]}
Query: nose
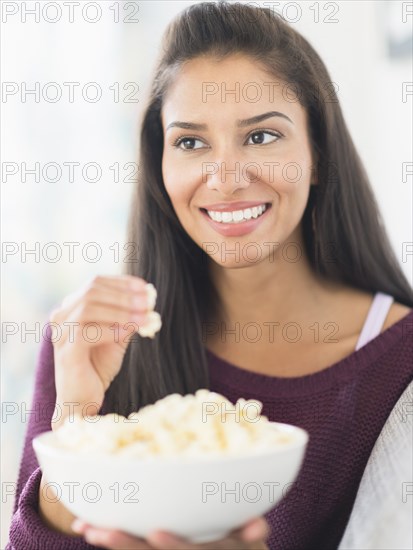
{"points": [[226, 175]]}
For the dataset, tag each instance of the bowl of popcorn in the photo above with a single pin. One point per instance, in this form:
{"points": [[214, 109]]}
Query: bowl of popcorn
{"points": [[196, 465]]}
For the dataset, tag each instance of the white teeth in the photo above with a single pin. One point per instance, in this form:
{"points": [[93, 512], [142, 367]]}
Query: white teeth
{"points": [[237, 216]]}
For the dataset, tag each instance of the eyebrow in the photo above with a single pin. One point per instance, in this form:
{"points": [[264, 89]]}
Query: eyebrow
{"points": [[240, 123]]}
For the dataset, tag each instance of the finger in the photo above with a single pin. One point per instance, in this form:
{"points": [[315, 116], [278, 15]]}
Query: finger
{"points": [[123, 298], [104, 327], [122, 281], [118, 297], [113, 539], [254, 530], [162, 540], [98, 313], [229, 543], [106, 317], [126, 284]]}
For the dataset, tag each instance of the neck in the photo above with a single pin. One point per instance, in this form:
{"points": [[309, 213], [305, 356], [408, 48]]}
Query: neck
{"points": [[281, 287]]}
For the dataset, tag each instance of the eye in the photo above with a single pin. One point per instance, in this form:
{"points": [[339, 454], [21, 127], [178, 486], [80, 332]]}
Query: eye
{"points": [[259, 137], [188, 143]]}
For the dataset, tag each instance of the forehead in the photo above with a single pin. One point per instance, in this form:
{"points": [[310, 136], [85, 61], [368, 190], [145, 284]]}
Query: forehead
{"points": [[206, 88]]}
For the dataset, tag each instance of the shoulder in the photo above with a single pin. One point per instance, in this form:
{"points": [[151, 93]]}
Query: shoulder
{"points": [[355, 304], [396, 313]]}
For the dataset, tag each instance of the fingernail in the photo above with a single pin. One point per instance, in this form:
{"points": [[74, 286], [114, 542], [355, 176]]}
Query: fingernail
{"points": [[92, 536], [78, 525], [254, 532]]}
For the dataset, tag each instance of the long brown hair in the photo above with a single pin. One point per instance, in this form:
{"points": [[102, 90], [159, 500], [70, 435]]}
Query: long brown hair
{"points": [[349, 243]]}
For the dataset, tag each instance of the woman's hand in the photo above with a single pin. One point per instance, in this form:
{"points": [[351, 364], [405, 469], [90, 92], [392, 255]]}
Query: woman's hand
{"points": [[249, 537], [108, 310]]}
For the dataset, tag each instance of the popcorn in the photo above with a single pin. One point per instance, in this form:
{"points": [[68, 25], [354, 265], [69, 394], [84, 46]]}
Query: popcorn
{"points": [[193, 425], [152, 326], [151, 294], [154, 323]]}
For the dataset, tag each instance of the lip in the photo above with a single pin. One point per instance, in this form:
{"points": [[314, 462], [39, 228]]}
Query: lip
{"points": [[236, 229], [232, 206]]}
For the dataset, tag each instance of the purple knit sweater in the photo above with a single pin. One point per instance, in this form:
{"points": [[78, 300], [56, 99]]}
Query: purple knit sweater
{"points": [[343, 407]]}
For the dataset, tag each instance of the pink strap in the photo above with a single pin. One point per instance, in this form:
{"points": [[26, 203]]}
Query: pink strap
{"points": [[375, 318]]}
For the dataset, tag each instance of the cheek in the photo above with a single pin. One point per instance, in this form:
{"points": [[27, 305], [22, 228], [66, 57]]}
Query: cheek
{"points": [[178, 185], [289, 175]]}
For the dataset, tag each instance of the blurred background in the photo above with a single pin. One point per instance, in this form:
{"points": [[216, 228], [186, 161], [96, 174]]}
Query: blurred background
{"points": [[74, 79]]}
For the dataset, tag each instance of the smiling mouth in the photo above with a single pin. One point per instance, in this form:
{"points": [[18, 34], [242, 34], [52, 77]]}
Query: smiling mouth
{"points": [[237, 216]]}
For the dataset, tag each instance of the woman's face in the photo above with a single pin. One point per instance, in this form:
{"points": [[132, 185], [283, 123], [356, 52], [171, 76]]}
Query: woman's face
{"points": [[218, 159]]}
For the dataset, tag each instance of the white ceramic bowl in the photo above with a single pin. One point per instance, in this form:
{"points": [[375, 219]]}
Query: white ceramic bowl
{"points": [[201, 499]]}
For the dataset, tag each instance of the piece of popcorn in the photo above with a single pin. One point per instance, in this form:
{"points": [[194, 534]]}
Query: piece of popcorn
{"points": [[153, 319], [152, 326], [151, 295]]}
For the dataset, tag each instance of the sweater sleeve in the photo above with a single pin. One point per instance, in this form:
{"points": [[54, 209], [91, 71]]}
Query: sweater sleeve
{"points": [[27, 529]]}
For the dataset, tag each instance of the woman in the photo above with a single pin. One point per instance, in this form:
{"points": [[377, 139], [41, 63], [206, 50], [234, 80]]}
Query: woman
{"points": [[305, 261]]}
